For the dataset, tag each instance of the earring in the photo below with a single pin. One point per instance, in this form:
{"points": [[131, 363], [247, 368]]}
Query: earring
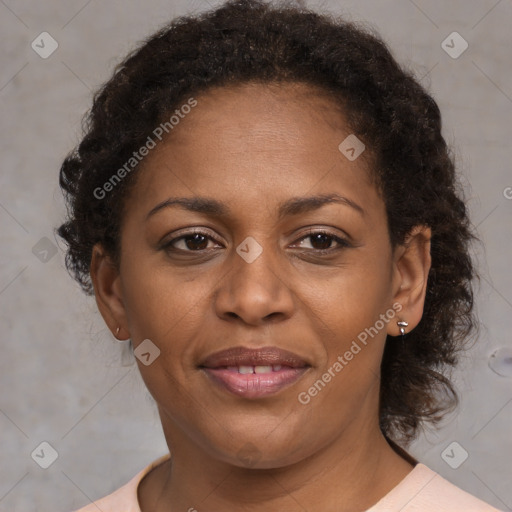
{"points": [[117, 334], [402, 326]]}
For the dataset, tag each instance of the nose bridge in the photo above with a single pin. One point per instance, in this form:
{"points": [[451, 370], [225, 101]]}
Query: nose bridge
{"points": [[255, 266], [255, 287]]}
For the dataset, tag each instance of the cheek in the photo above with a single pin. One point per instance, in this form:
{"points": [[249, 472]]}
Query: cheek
{"points": [[168, 310], [356, 308], [353, 299], [159, 300]]}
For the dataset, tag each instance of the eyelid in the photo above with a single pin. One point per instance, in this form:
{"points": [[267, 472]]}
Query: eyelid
{"points": [[192, 231], [186, 232], [326, 231]]}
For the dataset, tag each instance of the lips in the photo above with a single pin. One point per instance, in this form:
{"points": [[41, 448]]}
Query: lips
{"points": [[254, 373], [241, 356]]}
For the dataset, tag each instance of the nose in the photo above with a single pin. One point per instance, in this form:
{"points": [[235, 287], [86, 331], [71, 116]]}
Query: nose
{"points": [[255, 292]]}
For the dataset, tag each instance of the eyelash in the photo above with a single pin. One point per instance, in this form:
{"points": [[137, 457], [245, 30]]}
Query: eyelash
{"points": [[341, 241]]}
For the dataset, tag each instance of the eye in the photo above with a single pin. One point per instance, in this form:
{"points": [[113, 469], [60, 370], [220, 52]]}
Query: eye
{"points": [[321, 240], [195, 241]]}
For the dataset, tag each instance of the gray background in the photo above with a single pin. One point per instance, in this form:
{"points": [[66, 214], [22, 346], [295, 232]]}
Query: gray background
{"points": [[62, 378]]}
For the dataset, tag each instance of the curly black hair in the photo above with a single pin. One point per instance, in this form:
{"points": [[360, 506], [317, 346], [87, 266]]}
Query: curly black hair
{"points": [[246, 41]]}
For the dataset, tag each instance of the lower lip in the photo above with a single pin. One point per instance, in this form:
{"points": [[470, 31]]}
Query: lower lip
{"points": [[255, 385]]}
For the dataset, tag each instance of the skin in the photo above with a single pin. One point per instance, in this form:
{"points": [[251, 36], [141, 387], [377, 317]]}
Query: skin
{"points": [[253, 147]]}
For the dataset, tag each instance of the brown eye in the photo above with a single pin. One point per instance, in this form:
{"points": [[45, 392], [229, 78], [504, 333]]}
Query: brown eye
{"points": [[196, 241], [321, 241]]}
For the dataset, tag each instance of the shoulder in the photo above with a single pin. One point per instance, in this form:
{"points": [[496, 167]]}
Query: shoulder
{"points": [[124, 498], [425, 490]]}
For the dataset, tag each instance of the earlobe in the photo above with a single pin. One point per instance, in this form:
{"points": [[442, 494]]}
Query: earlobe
{"points": [[107, 289], [412, 262]]}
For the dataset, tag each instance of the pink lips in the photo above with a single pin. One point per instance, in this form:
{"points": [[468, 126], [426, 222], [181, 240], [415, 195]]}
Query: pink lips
{"points": [[254, 373]]}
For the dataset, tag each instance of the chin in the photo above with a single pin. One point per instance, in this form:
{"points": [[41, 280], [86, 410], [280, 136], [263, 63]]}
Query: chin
{"points": [[259, 452]]}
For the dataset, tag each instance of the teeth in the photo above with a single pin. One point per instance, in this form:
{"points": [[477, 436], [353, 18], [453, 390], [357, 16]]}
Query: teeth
{"points": [[262, 369], [245, 370]]}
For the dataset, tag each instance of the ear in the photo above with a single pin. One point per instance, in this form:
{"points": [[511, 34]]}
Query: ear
{"points": [[411, 265], [108, 291]]}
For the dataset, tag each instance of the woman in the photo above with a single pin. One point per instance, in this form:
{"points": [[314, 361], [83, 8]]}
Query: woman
{"points": [[264, 205]]}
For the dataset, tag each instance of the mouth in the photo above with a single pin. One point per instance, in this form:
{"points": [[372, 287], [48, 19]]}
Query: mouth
{"points": [[254, 373]]}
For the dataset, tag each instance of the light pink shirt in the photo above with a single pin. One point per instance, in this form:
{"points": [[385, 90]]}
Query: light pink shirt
{"points": [[422, 490]]}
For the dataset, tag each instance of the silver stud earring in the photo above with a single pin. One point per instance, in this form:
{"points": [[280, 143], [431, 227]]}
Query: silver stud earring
{"points": [[402, 326]]}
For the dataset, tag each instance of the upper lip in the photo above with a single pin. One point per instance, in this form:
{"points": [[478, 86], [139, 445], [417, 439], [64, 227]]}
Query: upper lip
{"points": [[265, 356]]}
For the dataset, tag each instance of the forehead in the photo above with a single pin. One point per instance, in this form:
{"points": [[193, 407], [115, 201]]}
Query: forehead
{"points": [[256, 141], [287, 111]]}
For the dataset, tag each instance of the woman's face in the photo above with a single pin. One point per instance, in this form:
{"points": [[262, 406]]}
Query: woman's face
{"points": [[256, 277]]}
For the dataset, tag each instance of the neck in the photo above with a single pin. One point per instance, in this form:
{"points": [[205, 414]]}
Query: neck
{"points": [[352, 473]]}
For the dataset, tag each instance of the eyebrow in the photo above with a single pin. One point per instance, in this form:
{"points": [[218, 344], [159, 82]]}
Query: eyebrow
{"points": [[292, 206]]}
